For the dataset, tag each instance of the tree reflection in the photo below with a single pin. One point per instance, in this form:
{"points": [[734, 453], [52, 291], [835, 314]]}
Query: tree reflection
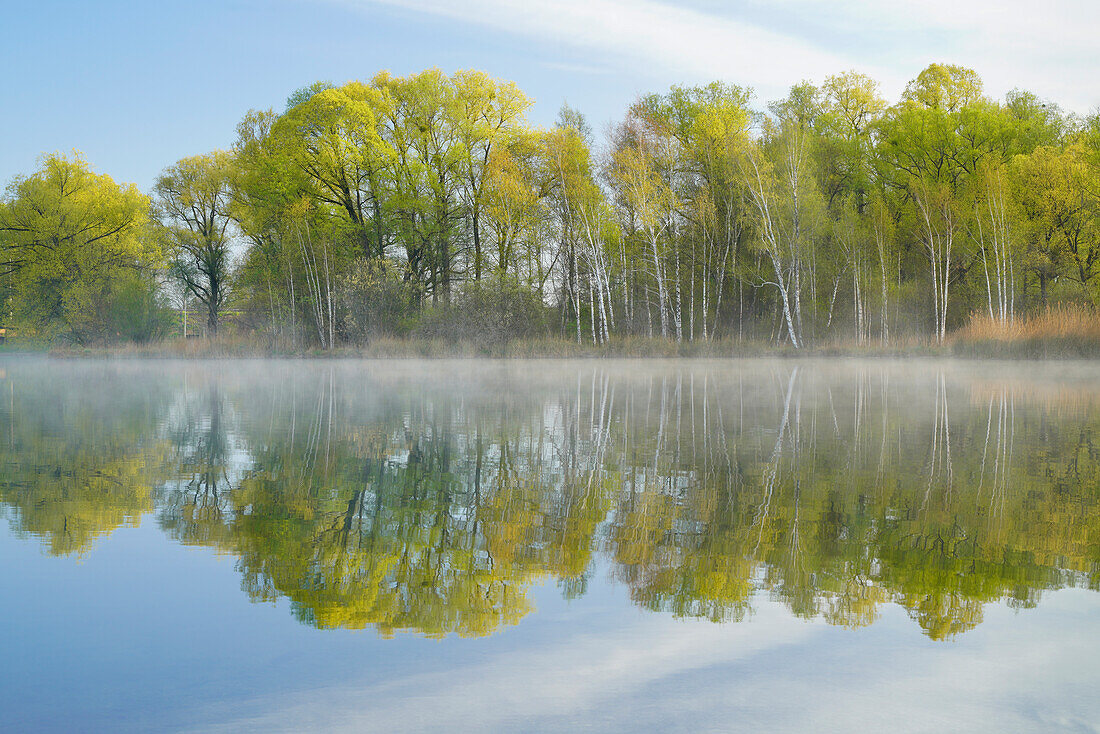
{"points": [[81, 461], [396, 504]]}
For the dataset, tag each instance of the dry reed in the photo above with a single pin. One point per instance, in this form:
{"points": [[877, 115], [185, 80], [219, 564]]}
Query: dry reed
{"points": [[1057, 332]]}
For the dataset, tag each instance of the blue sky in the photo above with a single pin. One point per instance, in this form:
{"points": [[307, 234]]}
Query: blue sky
{"points": [[137, 85]]}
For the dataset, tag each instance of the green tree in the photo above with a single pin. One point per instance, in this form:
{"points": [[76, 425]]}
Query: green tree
{"points": [[68, 235], [488, 117], [1057, 191], [193, 200]]}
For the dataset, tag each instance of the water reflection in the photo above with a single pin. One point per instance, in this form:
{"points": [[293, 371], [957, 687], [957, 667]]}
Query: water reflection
{"points": [[430, 497]]}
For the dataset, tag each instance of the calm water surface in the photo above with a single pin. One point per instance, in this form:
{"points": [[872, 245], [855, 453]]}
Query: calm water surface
{"points": [[547, 546]]}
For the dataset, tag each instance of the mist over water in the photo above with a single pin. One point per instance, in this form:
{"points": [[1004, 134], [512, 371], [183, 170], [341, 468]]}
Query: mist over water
{"points": [[924, 510]]}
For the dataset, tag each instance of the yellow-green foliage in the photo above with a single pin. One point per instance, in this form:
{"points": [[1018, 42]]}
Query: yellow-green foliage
{"points": [[70, 235]]}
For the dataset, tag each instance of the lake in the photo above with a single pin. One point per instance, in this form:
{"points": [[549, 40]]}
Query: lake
{"points": [[764, 546]]}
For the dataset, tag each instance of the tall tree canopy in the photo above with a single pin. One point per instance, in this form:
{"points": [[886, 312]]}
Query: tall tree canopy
{"points": [[193, 197], [396, 205], [71, 239]]}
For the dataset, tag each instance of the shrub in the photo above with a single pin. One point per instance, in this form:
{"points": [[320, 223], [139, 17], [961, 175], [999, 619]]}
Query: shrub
{"points": [[490, 312], [377, 300], [135, 311]]}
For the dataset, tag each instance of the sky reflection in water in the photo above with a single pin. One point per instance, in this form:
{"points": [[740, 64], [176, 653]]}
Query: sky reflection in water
{"points": [[733, 545]]}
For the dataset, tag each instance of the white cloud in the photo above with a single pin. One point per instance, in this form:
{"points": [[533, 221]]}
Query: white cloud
{"points": [[576, 68], [1049, 48], [648, 36], [525, 689], [1033, 671]]}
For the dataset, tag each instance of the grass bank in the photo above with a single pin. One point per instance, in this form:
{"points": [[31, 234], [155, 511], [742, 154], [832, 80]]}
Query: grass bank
{"points": [[1058, 333], [241, 346]]}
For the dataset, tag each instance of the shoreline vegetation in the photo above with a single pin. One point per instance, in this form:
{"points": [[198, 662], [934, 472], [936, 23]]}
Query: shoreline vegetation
{"points": [[426, 216], [1057, 334]]}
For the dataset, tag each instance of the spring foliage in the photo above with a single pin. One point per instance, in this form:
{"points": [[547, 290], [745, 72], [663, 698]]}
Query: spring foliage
{"points": [[377, 207]]}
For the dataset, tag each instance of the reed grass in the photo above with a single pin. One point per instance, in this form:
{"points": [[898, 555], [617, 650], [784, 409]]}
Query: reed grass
{"points": [[1059, 332]]}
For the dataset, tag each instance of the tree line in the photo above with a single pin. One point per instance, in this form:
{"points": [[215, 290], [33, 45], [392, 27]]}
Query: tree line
{"points": [[427, 205]]}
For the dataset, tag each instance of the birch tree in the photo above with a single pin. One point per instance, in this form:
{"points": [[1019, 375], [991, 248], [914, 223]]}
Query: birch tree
{"points": [[937, 225], [653, 202], [993, 227], [771, 237]]}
